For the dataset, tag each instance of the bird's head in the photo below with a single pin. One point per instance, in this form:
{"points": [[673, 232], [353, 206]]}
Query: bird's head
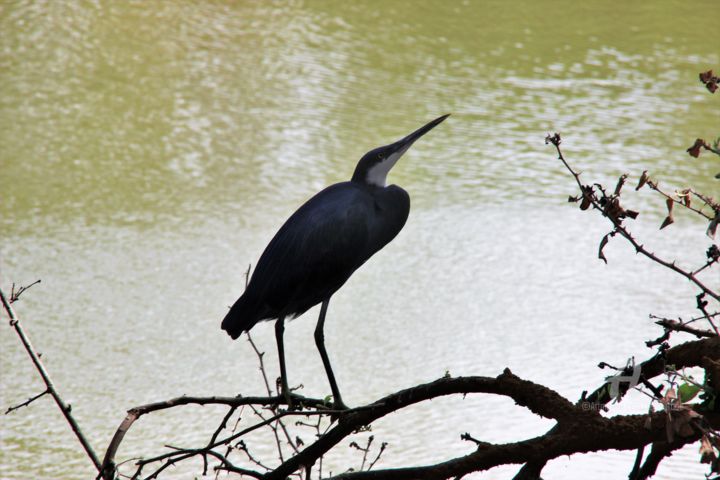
{"points": [[373, 167]]}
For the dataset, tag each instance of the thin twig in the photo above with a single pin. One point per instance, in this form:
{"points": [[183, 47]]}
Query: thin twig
{"points": [[64, 407], [15, 295], [383, 446], [27, 402], [617, 224], [682, 327], [241, 445], [655, 186]]}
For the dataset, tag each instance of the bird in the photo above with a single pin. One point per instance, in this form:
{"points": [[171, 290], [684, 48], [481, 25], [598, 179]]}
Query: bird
{"points": [[320, 246]]}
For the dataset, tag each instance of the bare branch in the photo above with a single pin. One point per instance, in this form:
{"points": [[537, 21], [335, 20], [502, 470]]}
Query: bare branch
{"points": [[108, 465], [15, 294], [682, 327], [27, 402], [64, 407]]}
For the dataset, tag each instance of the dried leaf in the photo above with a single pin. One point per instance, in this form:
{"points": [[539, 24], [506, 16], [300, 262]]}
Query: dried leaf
{"points": [[572, 199], [603, 242], [710, 80], [712, 228], [670, 396], [620, 183], [643, 180], [684, 196], [670, 203], [707, 453], [694, 151], [668, 221], [585, 202], [632, 214]]}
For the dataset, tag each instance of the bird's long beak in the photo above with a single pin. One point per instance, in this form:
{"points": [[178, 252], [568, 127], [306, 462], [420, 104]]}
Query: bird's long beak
{"points": [[375, 165], [402, 145]]}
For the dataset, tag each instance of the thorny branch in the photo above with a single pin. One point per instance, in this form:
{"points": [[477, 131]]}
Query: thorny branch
{"points": [[609, 206]]}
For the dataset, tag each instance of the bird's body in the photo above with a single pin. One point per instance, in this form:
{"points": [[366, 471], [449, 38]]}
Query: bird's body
{"points": [[317, 250], [320, 246]]}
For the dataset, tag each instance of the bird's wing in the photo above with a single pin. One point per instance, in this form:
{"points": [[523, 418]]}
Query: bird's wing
{"points": [[316, 250]]}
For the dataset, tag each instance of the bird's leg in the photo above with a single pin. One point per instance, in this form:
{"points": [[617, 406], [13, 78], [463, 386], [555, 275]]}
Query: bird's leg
{"points": [[285, 389], [320, 342]]}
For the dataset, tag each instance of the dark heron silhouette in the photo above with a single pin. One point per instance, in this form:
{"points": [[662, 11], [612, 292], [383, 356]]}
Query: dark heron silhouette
{"points": [[320, 246]]}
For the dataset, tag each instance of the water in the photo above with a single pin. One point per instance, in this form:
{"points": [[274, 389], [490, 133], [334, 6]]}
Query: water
{"points": [[150, 151]]}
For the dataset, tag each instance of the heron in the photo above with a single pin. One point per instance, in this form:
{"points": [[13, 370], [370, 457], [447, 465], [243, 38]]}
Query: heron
{"points": [[320, 246]]}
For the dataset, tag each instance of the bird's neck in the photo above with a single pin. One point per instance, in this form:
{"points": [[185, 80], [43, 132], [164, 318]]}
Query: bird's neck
{"points": [[375, 174]]}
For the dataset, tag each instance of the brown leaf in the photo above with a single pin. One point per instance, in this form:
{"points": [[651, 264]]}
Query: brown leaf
{"points": [[585, 202], [603, 242], [643, 180], [620, 183], [707, 453], [668, 221], [694, 151], [712, 228], [711, 81], [685, 197], [572, 199], [632, 214], [669, 202], [670, 396]]}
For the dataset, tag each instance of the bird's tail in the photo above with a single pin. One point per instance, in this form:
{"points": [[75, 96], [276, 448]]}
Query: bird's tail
{"points": [[243, 315]]}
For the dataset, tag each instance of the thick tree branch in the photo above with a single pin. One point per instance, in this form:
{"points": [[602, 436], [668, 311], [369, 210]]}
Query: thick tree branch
{"points": [[660, 451], [689, 354], [627, 432], [537, 398]]}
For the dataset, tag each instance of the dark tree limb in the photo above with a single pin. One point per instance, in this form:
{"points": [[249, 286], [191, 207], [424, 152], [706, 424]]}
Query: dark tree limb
{"points": [[537, 398], [628, 432], [660, 451], [689, 354]]}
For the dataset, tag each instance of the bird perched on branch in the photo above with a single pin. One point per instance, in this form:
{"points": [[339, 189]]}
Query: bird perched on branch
{"points": [[320, 246]]}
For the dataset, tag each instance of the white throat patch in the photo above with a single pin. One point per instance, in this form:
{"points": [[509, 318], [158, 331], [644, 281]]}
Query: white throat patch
{"points": [[377, 174]]}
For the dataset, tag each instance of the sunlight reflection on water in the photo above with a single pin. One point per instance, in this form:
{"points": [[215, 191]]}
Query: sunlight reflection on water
{"points": [[149, 154]]}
